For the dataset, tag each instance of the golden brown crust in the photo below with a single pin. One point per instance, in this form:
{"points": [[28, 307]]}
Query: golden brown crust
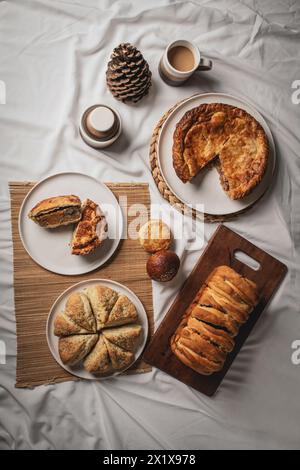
{"points": [[102, 300], [78, 309], [216, 317], [155, 235], [205, 334], [227, 137], [56, 202], [98, 308], [72, 349], [90, 231], [64, 326], [126, 337], [56, 211], [245, 288], [98, 361], [118, 356], [123, 312], [193, 360]]}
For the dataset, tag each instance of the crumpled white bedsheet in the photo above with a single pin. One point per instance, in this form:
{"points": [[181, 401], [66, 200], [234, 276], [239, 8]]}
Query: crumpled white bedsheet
{"points": [[53, 57]]}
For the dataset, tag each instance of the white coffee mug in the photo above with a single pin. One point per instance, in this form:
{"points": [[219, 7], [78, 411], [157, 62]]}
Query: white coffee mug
{"points": [[175, 77]]}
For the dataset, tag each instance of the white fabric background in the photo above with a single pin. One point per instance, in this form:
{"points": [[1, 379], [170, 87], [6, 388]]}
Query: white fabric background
{"points": [[53, 56]]}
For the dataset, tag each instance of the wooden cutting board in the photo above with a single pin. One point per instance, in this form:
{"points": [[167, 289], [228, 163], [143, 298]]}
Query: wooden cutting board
{"points": [[221, 250]]}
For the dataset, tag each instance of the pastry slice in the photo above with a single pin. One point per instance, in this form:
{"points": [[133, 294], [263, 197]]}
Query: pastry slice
{"points": [[102, 300], [64, 326], [193, 360], [126, 337], [243, 287], [218, 337], [91, 231], [78, 309], [56, 211], [202, 345], [72, 349], [216, 318], [98, 361], [210, 297], [118, 356], [123, 312]]}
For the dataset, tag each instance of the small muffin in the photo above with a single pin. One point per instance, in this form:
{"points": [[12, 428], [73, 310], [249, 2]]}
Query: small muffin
{"points": [[155, 235], [163, 266]]}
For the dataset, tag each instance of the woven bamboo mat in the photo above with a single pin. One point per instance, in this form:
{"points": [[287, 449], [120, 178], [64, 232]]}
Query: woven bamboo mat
{"points": [[166, 191], [36, 289]]}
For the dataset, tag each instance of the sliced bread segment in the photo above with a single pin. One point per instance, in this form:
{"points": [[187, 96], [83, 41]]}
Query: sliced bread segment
{"points": [[72, 349], [126, 337], [122, 313]]}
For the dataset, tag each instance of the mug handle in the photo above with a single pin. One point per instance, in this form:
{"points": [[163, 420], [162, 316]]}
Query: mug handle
{"points": [[204, 64]]}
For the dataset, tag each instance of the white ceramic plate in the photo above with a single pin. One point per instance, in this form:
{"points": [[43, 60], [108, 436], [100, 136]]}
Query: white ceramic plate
{"points": [[205, 188], [50, 248], [59, 305]]}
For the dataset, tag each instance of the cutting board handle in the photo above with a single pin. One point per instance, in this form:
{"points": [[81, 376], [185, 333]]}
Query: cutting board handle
{"points": [[243, 257]]}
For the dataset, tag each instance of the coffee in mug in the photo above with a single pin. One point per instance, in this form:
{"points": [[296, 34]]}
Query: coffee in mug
{"points": [[180, 60]]}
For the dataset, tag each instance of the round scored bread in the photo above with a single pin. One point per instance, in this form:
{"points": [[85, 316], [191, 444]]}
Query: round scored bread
{"points": [[100, 328]]}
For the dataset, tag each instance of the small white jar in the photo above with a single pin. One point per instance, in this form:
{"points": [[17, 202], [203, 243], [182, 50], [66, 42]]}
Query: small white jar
{"points": [[100, 126]]}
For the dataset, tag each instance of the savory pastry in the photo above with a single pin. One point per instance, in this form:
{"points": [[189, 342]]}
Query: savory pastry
{"points": [[56, 211], [126, 337], [78, 309], [123, 312], [64, 326], [72, 349], [91, 231], [163, 266], [98, 361], [102, 300], [205, 335], [226, 137], [155, 235], [118, 356]]}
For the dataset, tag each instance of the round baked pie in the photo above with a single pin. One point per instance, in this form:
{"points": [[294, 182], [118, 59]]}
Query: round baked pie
{"points": [[225, 137], [98, 327]]}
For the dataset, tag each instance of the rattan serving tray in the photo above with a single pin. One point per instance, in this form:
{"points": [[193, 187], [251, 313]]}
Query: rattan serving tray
{"points": [[164, 188]]}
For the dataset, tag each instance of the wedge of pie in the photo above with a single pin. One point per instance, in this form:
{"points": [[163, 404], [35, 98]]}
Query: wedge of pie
{"points": [[225, 137], [91, 230]]}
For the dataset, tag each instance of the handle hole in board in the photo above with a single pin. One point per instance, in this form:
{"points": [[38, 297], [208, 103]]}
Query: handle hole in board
{"points": [[242, 257]]}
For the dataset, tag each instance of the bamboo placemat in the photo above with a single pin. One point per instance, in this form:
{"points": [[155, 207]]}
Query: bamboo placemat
{"points": [[166, 191], [36, 289]]}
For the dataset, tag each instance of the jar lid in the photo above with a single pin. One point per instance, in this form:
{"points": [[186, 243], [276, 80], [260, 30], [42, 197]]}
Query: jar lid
{"points": [[100, 125], [101, 121]]}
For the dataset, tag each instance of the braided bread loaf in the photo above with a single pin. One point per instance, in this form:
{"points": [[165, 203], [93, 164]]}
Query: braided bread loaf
{"points": [[205, 335]]}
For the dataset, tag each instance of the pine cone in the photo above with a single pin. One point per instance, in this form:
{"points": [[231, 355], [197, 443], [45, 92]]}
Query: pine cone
{"points": [[128, 75]]}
